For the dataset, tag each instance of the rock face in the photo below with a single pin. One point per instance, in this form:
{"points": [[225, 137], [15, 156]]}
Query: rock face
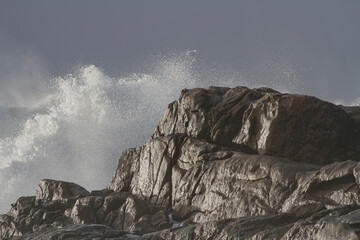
{"points": [[51, 190], [262, 121], [59, 205], [222, 164]]}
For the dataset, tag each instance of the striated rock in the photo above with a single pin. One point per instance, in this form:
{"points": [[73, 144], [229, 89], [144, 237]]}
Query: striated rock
{"points": [[333, 184], [223, 163], [82, 214], [22, 206], [229, 184], [127, 165], [52, 209], [210, 182], [119, 211], [81, 231], [214, 114], [151, 223], [52, 190], [305, 222], [298, 127], [327, 224], [8, 227], [262, 121], [128, 213], [152, 180]]}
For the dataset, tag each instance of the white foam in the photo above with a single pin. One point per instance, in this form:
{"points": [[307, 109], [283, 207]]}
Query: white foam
{"points": [[77, 131], [87, 121]]}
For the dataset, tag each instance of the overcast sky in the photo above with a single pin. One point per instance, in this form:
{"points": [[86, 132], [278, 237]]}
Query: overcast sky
{"points": [[320, 39]]}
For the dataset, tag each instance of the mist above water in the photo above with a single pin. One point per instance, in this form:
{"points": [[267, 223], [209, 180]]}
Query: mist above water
{"points": [[77, 125]]}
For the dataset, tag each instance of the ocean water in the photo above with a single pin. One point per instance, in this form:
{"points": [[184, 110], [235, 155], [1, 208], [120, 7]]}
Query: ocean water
{"points": [[81, 122]]}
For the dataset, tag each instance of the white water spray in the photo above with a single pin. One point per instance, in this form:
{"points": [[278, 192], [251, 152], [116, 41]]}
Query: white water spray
{"points": [[87, 119]]}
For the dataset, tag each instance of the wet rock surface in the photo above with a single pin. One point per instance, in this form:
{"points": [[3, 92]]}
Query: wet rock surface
{"points": [[222, 164]]}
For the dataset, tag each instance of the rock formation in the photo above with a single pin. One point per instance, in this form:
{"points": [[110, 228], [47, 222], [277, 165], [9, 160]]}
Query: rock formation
{"points": [[223, 163]]}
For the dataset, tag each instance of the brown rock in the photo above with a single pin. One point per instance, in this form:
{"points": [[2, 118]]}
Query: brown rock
{"points": [[127, 165], [83, 214], [80, 231], [214, 114], [151, 223], [51, 190], [152, 179], [222, 164], [22, 206], [263, 121], [8, 227], [306, 222], [298, 127]]}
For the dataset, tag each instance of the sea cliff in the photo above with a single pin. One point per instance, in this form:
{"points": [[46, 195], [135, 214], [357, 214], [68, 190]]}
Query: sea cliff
{"points": [[223, 163]]}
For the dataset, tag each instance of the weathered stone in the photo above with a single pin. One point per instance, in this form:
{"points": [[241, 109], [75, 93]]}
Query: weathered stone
{"points": [[327, 224], [210, 182], [8, 228], [356, 172], [80, 231], [305, 222], [222, 164], [152, 179], [134, 209], [127, 165], [22, 206], [261, 120], [232, 185], [50, 216], [298, 127], [151, 223], [50, 190], [113, 201], [94, 201], [83, 214], [333, 184], [214, 114], [103, 192], [127, 213]]}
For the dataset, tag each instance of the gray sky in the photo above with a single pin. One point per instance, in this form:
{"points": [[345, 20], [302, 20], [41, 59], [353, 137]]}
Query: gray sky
{"points": [[321, 39]]}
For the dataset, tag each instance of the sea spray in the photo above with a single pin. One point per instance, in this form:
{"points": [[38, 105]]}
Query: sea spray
{"points": [[87, 119]]}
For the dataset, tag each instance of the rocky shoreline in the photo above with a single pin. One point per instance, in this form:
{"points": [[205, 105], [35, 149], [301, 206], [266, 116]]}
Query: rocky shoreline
{"points": [[223, 163]]}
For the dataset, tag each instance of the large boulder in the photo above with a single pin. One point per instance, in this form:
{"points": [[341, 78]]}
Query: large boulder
{"points": [[214, 114], [262, 121], [298, 127], [61, 204], [51, 190]]}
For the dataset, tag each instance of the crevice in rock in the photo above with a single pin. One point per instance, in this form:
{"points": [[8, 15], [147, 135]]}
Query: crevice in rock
{"points": [[331, 185]]}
